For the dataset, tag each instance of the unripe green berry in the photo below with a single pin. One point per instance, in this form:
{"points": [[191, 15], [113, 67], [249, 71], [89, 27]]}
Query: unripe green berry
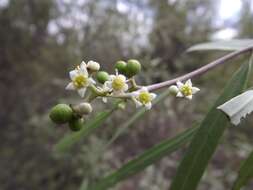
{"points": [[102, 77], [61, 113], [121, 67], [133, 67], [76, 124]]}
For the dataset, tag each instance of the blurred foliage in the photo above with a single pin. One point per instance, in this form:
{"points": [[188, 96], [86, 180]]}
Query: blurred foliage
{"points": [[41, 40]]}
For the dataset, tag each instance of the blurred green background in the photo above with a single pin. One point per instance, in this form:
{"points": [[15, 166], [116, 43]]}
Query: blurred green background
{"points": [[41, 40]]}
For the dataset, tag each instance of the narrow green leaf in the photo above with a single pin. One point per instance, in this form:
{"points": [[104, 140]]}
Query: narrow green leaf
{"points": [[70, 139], [141, 112], [245, 173], [225, 45], [207, 137], [147, 158]]}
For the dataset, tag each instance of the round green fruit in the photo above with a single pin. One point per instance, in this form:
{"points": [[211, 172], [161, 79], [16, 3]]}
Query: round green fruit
{"points": [[76, 124], [121, 67], [102, 77], [133, 67], [61, 113]]}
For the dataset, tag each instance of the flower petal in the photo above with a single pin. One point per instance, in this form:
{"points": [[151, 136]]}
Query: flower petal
{"points": [[179, 84], [125, 88], [179, 94], [189, 82], [81, 92], [189, 97], [70, 86], [83, 65], [104, 99], [111, 77], [122, 77], [137, 103], [108, 85], [92, 81], [153, 95], [83, 68], [73, 74], [195, 89], [148, 106]]}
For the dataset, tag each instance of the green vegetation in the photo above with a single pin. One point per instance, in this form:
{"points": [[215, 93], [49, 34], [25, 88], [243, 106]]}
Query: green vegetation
{"points": [[40, 41]]}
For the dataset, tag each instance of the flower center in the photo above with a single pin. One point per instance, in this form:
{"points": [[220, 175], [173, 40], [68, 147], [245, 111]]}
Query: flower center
{"points": [[80, 81], [186, 90], [118, 83], [144, 97]]}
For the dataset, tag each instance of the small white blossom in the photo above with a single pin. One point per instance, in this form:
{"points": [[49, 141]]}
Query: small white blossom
{"points": [[186, 90], [80, 79], [93, 66], [117, 84], [143, 97]]}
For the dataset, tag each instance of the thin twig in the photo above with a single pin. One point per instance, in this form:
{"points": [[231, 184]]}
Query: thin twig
{"points": [[200, 70]]}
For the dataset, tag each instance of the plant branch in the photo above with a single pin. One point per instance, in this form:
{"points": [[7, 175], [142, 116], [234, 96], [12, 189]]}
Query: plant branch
{"points": [[200, 70]]}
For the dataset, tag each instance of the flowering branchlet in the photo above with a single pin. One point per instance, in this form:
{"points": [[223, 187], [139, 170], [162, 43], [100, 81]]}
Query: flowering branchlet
{"points": [[185, 90], [121, 85]]}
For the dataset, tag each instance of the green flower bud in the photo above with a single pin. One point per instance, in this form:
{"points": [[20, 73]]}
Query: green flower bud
{"points": [[173, 90], [121, 67], [133, 67], [61, 113], [82, 108], [102, 77], [76, 124]]}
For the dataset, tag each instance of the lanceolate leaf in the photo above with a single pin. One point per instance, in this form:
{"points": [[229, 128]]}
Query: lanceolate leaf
{"points": [[147, 158], [207, 137], [225, 45], [238, 107], [245, 173], [70, 139], [141, 112]]}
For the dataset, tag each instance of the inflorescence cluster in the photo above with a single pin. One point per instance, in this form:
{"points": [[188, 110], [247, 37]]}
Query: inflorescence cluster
{"points": [[91, 83]]}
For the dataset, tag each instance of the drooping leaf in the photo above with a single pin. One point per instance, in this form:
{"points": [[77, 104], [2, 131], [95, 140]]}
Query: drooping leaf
{"points": [[136, 116], [147, 158], [71, 139], [245, 173], [207, 137], [224, 45], [238, 107]]}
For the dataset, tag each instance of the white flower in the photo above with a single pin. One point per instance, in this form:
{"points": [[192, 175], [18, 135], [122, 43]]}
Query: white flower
{"points": [[186, 90], [93, 66], [117, 84], [143, 97], [80, 79]]}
